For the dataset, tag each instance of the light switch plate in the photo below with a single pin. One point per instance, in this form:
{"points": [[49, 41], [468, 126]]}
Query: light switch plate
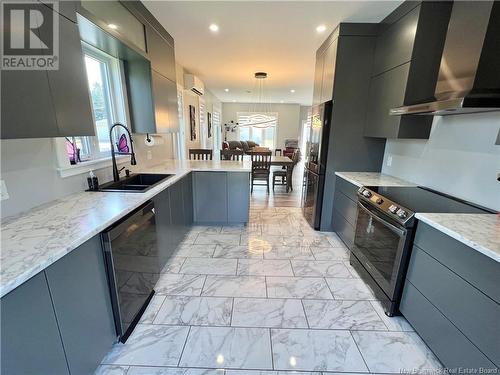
{"points": [[4, 194]]}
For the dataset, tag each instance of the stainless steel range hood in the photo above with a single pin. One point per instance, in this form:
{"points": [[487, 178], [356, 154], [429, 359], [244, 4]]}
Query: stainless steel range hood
{"points": [[469, 74]]}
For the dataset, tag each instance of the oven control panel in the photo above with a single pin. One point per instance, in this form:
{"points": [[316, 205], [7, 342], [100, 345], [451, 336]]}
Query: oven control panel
{"points": [[392, 209]]}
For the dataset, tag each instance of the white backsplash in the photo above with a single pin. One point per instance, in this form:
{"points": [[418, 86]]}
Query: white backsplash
{"points": [[460, 158]]}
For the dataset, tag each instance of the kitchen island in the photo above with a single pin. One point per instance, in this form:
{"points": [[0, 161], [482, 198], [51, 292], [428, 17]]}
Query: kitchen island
{"points": [[54, 292]]}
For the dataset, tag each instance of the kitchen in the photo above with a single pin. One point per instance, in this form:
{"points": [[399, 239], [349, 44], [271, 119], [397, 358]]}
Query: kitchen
{"points": [[216, 284]]}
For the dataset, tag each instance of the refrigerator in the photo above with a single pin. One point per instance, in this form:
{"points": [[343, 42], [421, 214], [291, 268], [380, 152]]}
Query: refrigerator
{"points": [[316, 156]]}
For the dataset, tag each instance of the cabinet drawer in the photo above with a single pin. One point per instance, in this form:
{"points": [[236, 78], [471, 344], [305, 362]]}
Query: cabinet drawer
{"points": [[472, 312], [471, 265], [350, 190], [451, 347], [342, 227], [345, 207]]}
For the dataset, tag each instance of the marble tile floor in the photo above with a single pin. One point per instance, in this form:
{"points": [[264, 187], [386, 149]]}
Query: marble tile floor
{"points": [[262, 300]]}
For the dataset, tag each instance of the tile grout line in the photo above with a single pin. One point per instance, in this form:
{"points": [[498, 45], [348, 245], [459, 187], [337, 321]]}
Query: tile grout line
{"points": [[271, 347], [305, 314], [361, 354], [184, 347]]}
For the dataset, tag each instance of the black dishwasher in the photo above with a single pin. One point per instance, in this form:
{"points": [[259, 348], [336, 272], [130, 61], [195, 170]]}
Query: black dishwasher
{"points": [[133, 264]]}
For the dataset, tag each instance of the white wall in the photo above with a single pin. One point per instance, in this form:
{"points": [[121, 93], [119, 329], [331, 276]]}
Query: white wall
{"points": [[460, 158], [288, 119]]}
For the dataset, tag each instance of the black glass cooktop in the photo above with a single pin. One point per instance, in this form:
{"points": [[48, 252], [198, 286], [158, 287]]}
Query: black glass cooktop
{"points": [[419, 199]]}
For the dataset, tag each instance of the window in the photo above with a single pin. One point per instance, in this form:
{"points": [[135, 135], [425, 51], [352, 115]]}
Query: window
{"points": [[259, 127], [107, 101]]}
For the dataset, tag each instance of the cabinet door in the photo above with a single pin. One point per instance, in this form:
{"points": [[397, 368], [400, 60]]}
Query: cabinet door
{"points": [[210, 197], [80, 293], [30, 341], [395, 44], [238, 197], [187, 197], [67, 8], [164, 229], [329, 72], [165, 103], [68, 84], [387, 91], [318, 78], [161, 53], [27, 108], [177, 212]]}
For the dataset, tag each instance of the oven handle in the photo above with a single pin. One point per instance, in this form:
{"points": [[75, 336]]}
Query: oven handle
{"points": [[401, 232]]}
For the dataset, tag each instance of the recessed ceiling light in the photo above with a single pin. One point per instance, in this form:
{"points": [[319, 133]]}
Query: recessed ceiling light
{"points": [[292, 91], [214, 27], [112, 26], [321, 28], [226, 90]]}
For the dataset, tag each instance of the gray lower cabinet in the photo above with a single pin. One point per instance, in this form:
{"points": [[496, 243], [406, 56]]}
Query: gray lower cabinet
{"points": [[210, 197], [344, 210], [238, 198], [187, 198], [445, 281], [59, 321], [80, 294], [30, 341], [221, 197]]}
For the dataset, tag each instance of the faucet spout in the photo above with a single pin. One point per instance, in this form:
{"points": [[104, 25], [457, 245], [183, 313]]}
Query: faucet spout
{"points": [[116, 172]]}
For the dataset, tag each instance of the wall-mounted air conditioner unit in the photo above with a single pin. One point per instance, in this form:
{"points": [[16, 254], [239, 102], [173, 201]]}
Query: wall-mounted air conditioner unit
{"points": [[193, 83]]}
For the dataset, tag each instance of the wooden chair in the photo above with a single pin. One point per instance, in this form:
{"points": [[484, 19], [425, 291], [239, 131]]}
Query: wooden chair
{"points": [[286, 175], [200, 154], [261, 167], [235, 155]]}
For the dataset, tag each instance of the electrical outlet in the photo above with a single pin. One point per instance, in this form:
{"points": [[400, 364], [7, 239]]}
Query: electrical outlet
{"points": [[389, 160], [149, 155], [4, 194]]}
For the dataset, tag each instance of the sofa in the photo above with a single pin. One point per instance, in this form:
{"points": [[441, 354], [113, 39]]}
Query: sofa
{"points": [[241, 145]]}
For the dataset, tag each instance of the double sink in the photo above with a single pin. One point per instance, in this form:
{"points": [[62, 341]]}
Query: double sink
{"points": [[135, 183]]}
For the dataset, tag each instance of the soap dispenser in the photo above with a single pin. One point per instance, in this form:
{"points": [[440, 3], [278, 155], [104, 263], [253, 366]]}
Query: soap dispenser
{"points": [[92, 181]]}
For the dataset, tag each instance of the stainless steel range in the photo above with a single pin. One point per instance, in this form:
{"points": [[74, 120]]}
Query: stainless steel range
{"points": [[384, 232]]}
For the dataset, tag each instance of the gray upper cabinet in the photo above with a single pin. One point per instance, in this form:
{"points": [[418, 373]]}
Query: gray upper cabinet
{"points": [[30, 341], [318, 77], [80, 294], [67, 8], [165, 103], [161, 53], [49, 103], [330, 57], [395, 43], [405, 69], [68, 84]]}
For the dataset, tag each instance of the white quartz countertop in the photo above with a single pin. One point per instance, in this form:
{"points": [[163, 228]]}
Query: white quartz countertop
{"points": [[372, 179], [32, 241], [479, 231]]}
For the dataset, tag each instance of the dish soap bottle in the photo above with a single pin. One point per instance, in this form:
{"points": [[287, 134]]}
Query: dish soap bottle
{"points": [[92, 181]]}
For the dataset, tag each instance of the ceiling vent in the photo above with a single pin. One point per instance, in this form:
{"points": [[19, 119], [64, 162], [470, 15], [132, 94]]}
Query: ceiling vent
{"points": [[193, 83]]}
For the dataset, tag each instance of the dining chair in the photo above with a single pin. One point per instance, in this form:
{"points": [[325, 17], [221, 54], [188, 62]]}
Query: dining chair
{"points": [[261, 168], [200, 154], [286, 175], [235, 155]]}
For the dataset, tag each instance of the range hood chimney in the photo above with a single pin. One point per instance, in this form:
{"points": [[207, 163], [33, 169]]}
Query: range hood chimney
{"points": [[469, 74]]}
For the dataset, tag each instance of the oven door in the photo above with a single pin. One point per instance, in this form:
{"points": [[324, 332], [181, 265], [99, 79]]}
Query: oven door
{"points": [[379, 246]]}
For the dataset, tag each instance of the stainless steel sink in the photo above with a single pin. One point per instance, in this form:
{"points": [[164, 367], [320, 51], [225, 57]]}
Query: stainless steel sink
{"points": [[135, 183]]}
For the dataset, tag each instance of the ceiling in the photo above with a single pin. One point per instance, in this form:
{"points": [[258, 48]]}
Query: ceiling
{"points": [[278, 37]]}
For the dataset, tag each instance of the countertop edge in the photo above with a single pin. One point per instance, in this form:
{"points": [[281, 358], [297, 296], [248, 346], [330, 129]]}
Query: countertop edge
{"points": [[9, 286], [383, 179], [459, 237]]}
